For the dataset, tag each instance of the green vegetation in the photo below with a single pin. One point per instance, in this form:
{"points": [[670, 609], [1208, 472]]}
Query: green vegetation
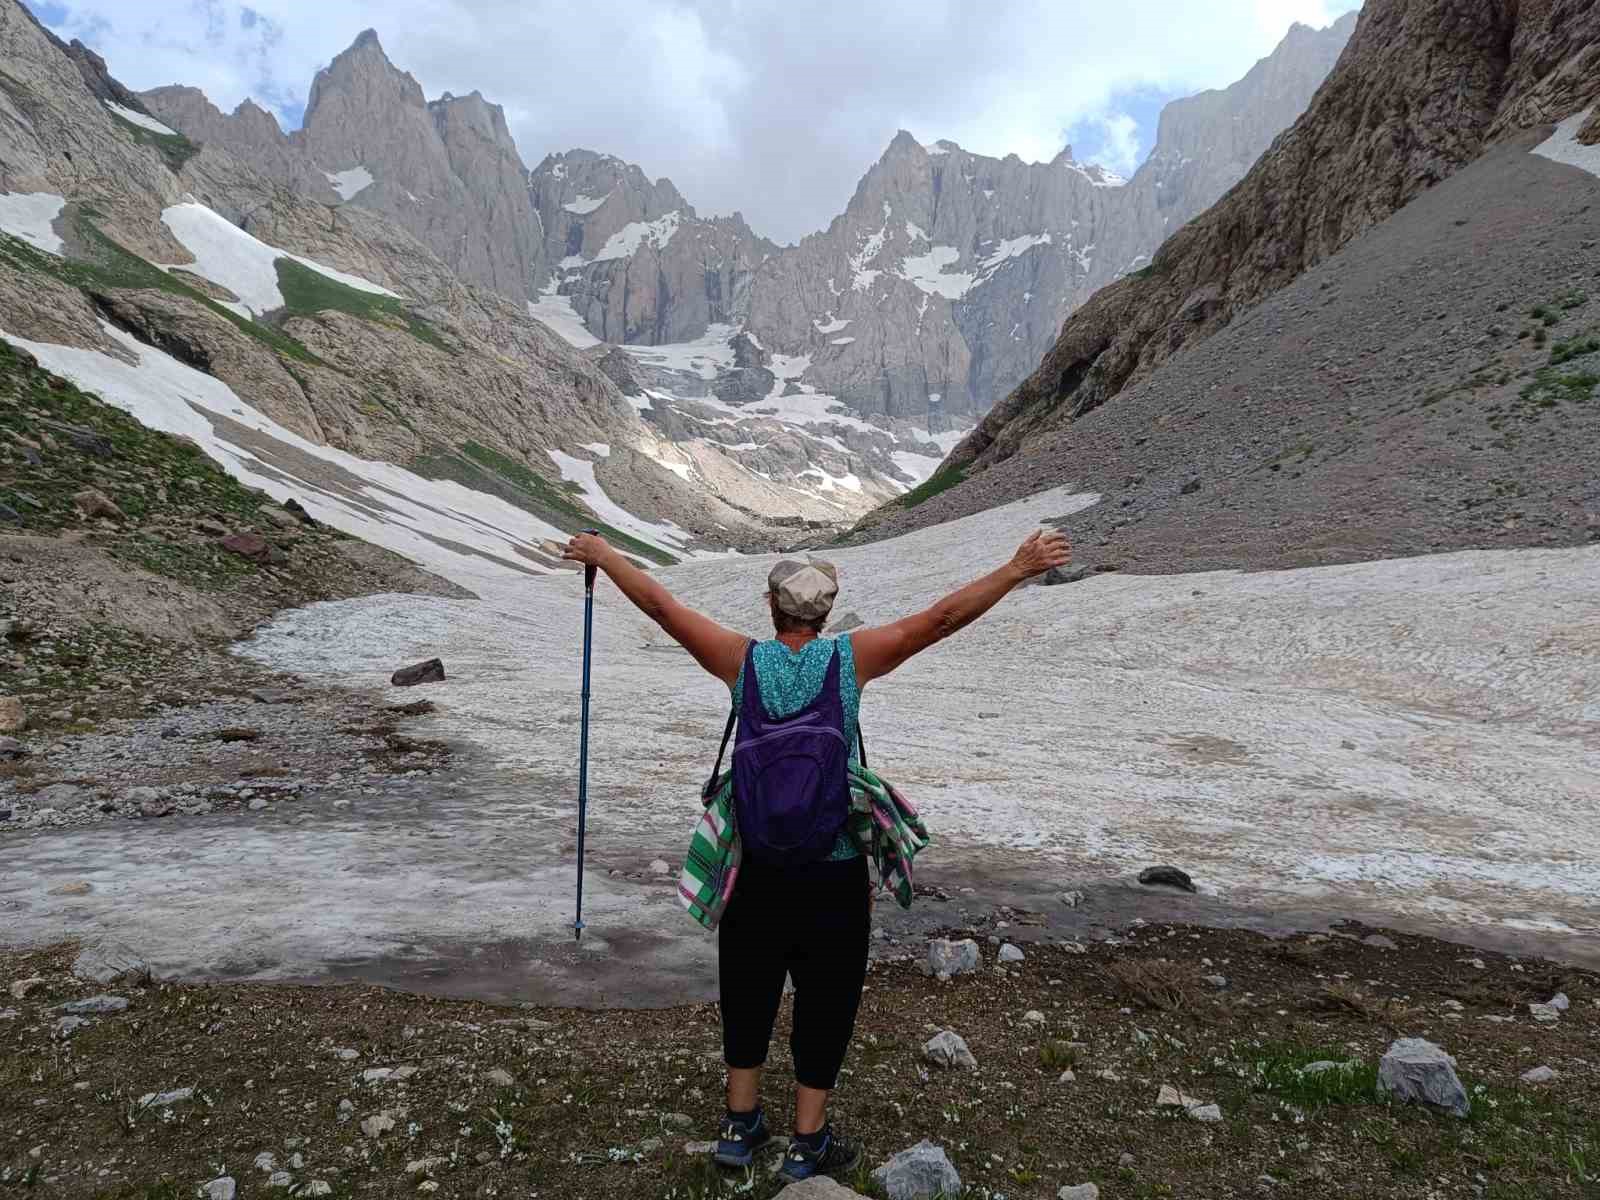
{"points": [[941, 480], [108, 265], [174, 148], [306, 292], [489, 471], [1573, 348]]}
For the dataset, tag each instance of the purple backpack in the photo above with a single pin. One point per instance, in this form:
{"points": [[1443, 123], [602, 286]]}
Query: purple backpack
{"points": [[791, 783]]}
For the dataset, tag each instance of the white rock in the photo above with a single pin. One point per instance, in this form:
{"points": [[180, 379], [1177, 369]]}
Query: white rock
{"points": [[1068, 1076], [1010, 953], [1171, 1097], [345, 1054], [21, 987], [1205, 1112], [317, 1187], [1073, 899], [108, 961], [280, 1179], [953, 958], [949, 1049], [1545, 1014], [266, 1162], [1217, 981], [1109, 1076], [697, 1149], [67, 1026], [93, 1004], [1540, 1075], [1559, 1002], [1033, 1017], [221, 1189], [501, 1077], [1079, 1191], [377, 1125], [422, 1166], [166, 1099], [9, 1014], [1414, 1070], [919, 1173], [660, 866]]}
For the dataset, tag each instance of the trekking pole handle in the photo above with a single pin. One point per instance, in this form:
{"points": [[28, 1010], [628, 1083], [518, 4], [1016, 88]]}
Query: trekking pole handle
{"points": [[589, 572]]}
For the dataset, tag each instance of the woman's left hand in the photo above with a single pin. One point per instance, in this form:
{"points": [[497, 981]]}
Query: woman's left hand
{"points": [[590, 549]]}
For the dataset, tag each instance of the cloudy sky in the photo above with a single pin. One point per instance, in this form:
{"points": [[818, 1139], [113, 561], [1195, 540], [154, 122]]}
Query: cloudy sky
{"points": [[769, 107]]}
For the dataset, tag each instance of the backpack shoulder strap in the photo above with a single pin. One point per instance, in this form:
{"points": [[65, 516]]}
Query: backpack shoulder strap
{"points": [[749, 675]]}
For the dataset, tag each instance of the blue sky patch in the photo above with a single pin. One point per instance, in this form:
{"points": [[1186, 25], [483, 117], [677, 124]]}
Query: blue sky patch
{"points": [[1122, 136]]}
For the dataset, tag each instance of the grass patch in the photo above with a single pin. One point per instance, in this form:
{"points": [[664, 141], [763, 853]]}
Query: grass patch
{"points": [[174, 148], [108, 265], [1576, 347], [940, 481], [1281, 1072], [307, 292]]}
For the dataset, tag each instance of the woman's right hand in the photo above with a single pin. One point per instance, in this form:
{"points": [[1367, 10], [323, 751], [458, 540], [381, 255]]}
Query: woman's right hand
{"points": [[1042, 551]]}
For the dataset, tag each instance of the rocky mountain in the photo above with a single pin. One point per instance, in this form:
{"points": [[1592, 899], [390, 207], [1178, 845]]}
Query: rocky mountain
{"points": [[149, 267], [1384, 341], [949, 273], [636, 262]]}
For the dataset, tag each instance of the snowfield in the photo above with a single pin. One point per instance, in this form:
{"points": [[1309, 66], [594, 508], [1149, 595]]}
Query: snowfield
{"points": [[351, 183], [138, 118], [1563, 145], [30, 216], [227, 255]]}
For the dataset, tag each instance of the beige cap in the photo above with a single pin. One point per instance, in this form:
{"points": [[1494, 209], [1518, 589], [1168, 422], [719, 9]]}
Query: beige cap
{"points": [[804, 589]]}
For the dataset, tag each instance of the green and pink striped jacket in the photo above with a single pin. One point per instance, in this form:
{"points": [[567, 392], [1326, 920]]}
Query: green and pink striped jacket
{"points": [[882, 823]]}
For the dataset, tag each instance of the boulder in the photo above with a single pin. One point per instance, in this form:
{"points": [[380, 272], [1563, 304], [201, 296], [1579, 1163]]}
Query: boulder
{"points": [[294, 506], [948, 1048], [1209, 1113], [919, 1173], [250, 546], [278, 516], [953, 958], [12, 715], [94, 1004], [109, 961], [93, 503], [221, 1189], [11, 749], [1414, 1070], [1165, 876], [431, 671], [1010, 954], [1059, 575], [819, 1187], [1540, 1075]]}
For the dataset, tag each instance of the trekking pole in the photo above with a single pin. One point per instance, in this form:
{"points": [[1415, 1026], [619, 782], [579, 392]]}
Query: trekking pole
{"points": [[583, 738]]}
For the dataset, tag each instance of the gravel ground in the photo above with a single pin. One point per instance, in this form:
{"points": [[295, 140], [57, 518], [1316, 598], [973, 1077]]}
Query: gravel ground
{"points": [[1409, 395], [361, 1091]]}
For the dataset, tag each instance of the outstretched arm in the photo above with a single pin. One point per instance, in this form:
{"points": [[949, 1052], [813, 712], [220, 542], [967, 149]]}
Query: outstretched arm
{"points": [[718, 650], [879, 651]]}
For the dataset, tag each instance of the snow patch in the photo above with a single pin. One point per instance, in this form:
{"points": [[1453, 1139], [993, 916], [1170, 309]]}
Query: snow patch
{"points": [[1011, 248], [915, 233], [603, 449], [665, 536], [628, 239], [844, 341], [927, 273], [141, 120], [469, 537], [832, 325], [706, 356], [870, 249], [29, 216], [227, 255], [1563, 145], [584, 205], [557, 314], [351, 183]]}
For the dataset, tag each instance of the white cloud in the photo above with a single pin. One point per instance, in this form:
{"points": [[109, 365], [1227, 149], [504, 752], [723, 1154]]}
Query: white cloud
{"points": [[767, 106]]}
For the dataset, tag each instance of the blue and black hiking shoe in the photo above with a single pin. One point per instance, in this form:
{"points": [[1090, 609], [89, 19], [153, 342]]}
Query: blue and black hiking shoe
{"points": [[822, 1153], [740, 1138]]}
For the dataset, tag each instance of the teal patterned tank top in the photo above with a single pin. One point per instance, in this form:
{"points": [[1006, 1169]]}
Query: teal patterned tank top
{"points": [[791, 679]]}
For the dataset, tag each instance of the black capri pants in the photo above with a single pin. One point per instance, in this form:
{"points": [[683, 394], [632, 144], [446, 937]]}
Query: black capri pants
{"points": [[811, 923]]}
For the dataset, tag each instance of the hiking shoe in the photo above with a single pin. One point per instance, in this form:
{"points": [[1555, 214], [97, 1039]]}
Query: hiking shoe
{"points": [[837, 1155], [738, 1141]]}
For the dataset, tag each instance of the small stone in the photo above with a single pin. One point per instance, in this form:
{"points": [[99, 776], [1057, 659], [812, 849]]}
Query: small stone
{"points": [[1010, 953], [1171, 1097], [650, 1145], [93, 503], [166, 1099], [377, 1125], [221, 1189], [1378, 942], [1217, 981], [1559, 1002], [317, 1187], [345, 1054], [280, 1179], [67, 1026], [1127, 1160], [431, 671], [428, 1185], [266, 1162], [1109, 1076], [423, 1166], [949, 1049], [1167, 876], [81, 887], [250, 546], [1073, 899], [953, 958], [677, 1120], [1056, 576], [1540, 1075], [12, 715], [257, 804], [699, 1149], [346, 1111], [1068, 1076], [919, 1173], [94, 1004], [9, 1014], [1033, 1017], [1080, 1191], [1414, 1070], [1191, 487], [501, 1078], [1208, 1113], [1323, 1066], [1545, 1014], [21, 987], [659, 866]]}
